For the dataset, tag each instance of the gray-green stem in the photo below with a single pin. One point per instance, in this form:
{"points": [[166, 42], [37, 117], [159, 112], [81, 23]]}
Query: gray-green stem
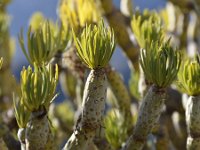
{"points": [[37, 131], [193, 122], [149, 113], [90, 119]]}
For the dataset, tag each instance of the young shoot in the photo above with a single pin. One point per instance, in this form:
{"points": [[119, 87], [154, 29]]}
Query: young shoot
{"points": [[22, 115], [43, 43], [38, 87], [160, 64], [189, 77], [95, 45]]}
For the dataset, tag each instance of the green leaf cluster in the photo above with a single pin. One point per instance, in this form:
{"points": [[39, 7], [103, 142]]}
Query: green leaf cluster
{"points": [[189, 77], [160, 64], [43, 43], [147, 28], [95, 45], [22, 115], [38, 86], [116, 128], [61, 35]]}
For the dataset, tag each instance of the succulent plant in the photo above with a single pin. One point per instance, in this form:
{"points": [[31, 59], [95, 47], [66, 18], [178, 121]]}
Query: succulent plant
{"points": [[189, 77], [43, 43], [95, 45], [100, 46], [22, 117], [188, 81], [21, 113], [38, 87], [79, 45], [160, 64]]}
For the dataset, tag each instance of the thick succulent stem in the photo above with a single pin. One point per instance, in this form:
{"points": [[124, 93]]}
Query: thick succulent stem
{"points": [[121, 93], [93, 105], [37, 131], [193, 122], [149, 114]]}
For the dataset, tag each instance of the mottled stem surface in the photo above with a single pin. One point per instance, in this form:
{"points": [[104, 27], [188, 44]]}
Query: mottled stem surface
{"points": [[37, 131], [149, 113], [193, 122], [90, 119]]}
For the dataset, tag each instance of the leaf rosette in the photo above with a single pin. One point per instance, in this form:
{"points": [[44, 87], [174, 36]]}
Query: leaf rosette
{"points": [[43, 42], [160, 64], [95, 45], [189, 77], [38, 87]]}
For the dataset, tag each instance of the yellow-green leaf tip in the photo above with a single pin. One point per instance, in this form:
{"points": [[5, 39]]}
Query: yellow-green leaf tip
{"points": [[160, 64], [95, 45], [189, 78], [22, 115], [43, 43], [38, 86]]}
